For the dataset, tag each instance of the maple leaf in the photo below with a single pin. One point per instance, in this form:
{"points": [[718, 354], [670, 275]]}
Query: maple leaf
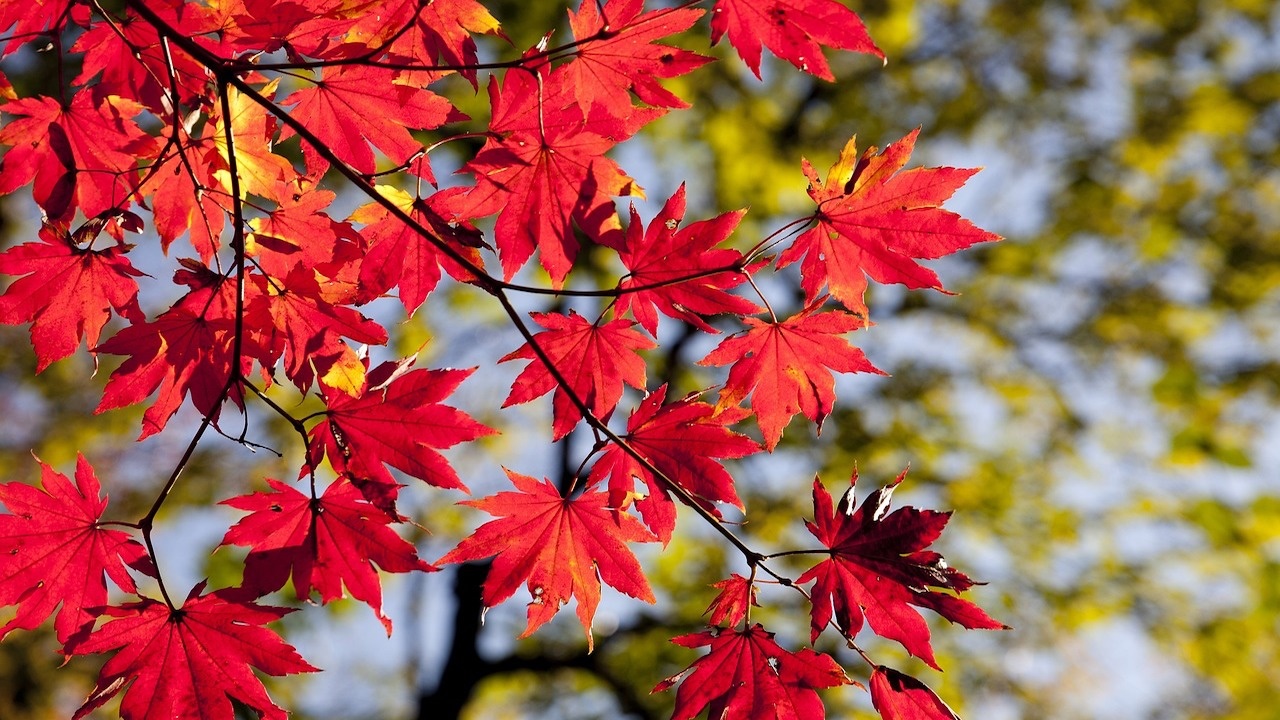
{"points": [[67, 291], [28, 21], [189, 661], [446, 29], [737, 594], [875, 221], [901, 697], [57, 551], [546, 173], [299, 233], [181, 200], [661, 258], [682, 440], [428, 34], [786, 366], [795, 30], [352, 106], [559, 548], [81, 157], [625, 57], [879, 567], [300, 28], [304, 328], [126, 58], [324, 543], [749, 676], [396, 419], [186, 350], [399, 256], [261, 171], [596, 360]]}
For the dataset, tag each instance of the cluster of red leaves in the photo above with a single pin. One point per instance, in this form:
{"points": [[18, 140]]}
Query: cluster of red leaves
{"points": [[174, 116]]}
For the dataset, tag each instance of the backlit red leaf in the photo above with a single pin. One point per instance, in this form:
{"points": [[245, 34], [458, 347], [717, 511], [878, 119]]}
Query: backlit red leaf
{"points": [[737, 595], [300, 233], [546, 174], [748, 676], [68, 291], [397, 420], [680, 271], [786, 366], [81, 157], [901, 697], [189, 662], [879, 568], [352, 106], [795, 30], [434, 32], [324, 544], [182, 200], [26, 21], [683, 440], [57, 552], [627, 57], [186, 350], [559, 548], [399, 256], [596, 360], [261, 171], [127, 58], [301, 326], [876, 220]]}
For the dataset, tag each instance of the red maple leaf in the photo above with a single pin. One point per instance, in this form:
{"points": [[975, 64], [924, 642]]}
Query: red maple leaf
{"points": [[626, 56], [67, 291], [191, 661], [748, 676], [186, 350], [26, 21], [299, 233], [546, 173], [786, 366], [795, 30], [324, 543], [737, 594], [297, 323], [397, 419], [682, 439], [429, 33], [444, 30], [352, 106], [126, 57], [181, 199], [901, 697], [875, 221], [596, 360], [681, 272], [399, 256], [304, 27], [879, 568], [56, 551], [82, 157], [559, 548], [261, 171]]}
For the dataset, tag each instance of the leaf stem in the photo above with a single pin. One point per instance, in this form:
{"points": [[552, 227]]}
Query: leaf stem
{"points": [[785, 553]]}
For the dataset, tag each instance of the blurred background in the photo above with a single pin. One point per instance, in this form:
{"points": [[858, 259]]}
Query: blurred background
{"points": [[1099, 402]]}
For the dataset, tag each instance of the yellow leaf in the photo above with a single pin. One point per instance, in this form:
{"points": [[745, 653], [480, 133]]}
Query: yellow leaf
{"points": [[347, 374]]}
